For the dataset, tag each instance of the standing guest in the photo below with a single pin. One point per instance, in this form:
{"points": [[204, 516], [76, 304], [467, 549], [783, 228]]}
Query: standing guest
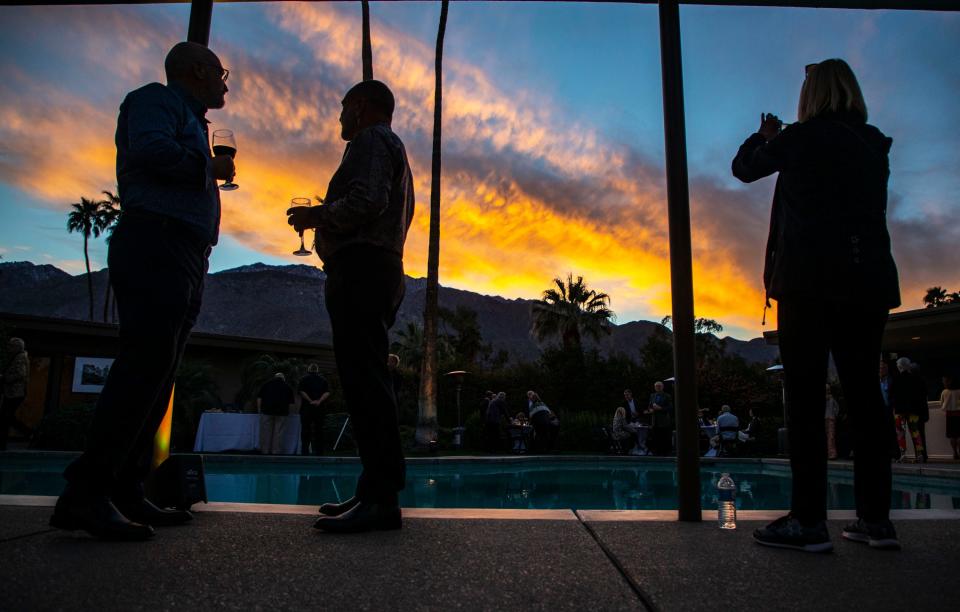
{"points": [[920, 401], [157, 259], [16, 375], [950, 404], [660, 409], [497, 411], [314, 391], [274, 402], [546, 425], [830, 268], [906, 392], [483, 404], [830, 423], [393, 366], [531, 401], [361, 231], [886, 386], [631, 407]]}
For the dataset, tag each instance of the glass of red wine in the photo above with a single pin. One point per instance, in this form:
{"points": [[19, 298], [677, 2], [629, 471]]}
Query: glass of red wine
{"points": [[301, 202], [225, 144]]}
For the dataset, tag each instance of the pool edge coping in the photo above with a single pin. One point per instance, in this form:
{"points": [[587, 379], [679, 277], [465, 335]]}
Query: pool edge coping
{"points": [[597, 516]]}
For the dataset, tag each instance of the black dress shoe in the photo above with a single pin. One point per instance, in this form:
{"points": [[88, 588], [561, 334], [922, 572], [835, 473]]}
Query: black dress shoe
{"points": [[142, 510], [364, 516], [338, 509], [96, 515]]}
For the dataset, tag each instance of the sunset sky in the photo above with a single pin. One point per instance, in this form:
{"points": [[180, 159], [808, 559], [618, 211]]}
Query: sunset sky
{"points": [[553, 133]]}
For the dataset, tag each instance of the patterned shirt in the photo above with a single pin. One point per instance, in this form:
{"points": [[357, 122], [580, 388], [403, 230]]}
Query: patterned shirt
{"points": [[15, 376], [370, 197]]}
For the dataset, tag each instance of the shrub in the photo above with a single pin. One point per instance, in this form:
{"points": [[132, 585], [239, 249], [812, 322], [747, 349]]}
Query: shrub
{"points": [[66, 428]]}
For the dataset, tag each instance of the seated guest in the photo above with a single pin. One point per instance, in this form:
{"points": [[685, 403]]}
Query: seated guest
{"points": [[546, 425], [703, 417], [727, 424], [620, 430], [519, 428], [752, 425]]}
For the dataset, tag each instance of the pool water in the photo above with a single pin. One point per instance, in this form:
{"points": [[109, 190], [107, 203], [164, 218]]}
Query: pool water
{"points": [[534, 484]]}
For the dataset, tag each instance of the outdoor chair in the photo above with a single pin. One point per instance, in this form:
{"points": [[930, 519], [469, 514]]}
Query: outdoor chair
{"points": [[727, 448], [616, 447]]}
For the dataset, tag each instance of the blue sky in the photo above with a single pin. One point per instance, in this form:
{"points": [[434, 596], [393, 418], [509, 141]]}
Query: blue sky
{"points": [[553, 132]]}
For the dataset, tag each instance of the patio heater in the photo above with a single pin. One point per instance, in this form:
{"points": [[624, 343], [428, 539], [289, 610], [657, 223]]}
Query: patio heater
{"points": [[458, 375], [783, 443]]}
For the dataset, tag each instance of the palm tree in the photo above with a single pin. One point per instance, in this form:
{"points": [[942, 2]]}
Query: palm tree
{"points": [[85, 218], [366, 52], [110, 215], [427, 418], [936, 296], [570, 311], [409, 345]]}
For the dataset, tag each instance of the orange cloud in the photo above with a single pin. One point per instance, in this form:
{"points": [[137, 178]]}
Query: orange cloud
{"points": [[527, 195]]}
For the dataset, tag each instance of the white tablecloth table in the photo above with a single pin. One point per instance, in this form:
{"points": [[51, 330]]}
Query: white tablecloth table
{"points": [[224, 431]]}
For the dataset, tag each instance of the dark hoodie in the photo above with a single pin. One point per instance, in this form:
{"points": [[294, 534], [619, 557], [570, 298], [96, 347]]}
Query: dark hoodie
{"points": [[828, 228]]}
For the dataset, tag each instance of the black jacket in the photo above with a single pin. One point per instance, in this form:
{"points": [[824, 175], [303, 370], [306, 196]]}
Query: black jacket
{"points": [[828, 228]]}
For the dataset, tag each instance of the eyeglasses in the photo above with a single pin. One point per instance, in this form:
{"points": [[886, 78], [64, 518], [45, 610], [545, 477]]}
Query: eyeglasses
{"points": [[224, 73]]}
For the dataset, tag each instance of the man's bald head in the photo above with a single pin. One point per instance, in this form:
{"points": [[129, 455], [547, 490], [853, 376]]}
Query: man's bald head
{"points": [[182, 58], [198, 70]]}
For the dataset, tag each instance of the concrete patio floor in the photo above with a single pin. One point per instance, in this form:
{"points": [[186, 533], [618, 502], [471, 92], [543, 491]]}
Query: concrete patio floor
{"points": [[248, 557]]}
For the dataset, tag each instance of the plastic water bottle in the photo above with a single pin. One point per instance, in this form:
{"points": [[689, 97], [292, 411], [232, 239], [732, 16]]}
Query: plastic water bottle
{"points": [[727, 502]]}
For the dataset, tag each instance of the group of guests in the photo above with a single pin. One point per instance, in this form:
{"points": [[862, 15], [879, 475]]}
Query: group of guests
{"points": [[656, 414], [500, 423], [276, 399], [905, 396]]}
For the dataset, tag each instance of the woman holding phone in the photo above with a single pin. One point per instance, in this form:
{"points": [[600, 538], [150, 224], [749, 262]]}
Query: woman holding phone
{"points": [[830, 269]]}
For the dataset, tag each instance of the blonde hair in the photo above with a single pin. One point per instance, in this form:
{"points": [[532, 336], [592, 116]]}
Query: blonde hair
{"points": [[830, 86]]}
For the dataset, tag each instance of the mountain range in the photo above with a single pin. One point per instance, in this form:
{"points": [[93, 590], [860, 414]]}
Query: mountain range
{"points": [[286, 303]]}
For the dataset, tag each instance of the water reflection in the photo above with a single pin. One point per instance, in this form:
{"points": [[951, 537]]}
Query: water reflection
{"points": [[588, 485]]}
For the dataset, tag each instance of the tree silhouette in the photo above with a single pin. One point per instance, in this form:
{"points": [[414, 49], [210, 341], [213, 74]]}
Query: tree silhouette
{"points": [[938, 296], [570, 311], [427, 406], [110, 215], [85, 218]]}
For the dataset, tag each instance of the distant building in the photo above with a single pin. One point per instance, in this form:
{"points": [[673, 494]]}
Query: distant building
{"points": [[930, 337], [68, 357]]}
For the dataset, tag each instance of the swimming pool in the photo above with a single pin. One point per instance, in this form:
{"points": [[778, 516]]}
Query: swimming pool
{"points": [[530, 482]]}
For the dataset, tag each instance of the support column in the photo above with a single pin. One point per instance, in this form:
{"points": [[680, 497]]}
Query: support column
{"points": [[681, 264], [201, 14]]}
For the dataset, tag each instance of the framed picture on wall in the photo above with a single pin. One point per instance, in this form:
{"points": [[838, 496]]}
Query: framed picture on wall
{"points": [[90, 374]]}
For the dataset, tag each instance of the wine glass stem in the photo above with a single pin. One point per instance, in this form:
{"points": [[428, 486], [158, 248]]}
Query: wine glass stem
{"points": [[301, 242]]}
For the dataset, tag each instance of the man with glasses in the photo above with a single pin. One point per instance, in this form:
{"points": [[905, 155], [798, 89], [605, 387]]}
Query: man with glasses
{"points": [[157, 259]]}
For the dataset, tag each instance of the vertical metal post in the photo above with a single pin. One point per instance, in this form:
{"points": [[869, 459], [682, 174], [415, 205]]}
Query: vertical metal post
{"points": [[201, 14], [681, 264]]}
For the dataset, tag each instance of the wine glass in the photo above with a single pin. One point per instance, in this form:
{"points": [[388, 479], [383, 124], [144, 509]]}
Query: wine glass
{"points": [[225, 144], [301, 202]]}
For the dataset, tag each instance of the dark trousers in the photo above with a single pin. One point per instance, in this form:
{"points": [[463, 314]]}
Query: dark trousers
{"points": [[157, 267], [546, 432], [8, 419], [808, 331], [311, 429], [363, 293]]}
